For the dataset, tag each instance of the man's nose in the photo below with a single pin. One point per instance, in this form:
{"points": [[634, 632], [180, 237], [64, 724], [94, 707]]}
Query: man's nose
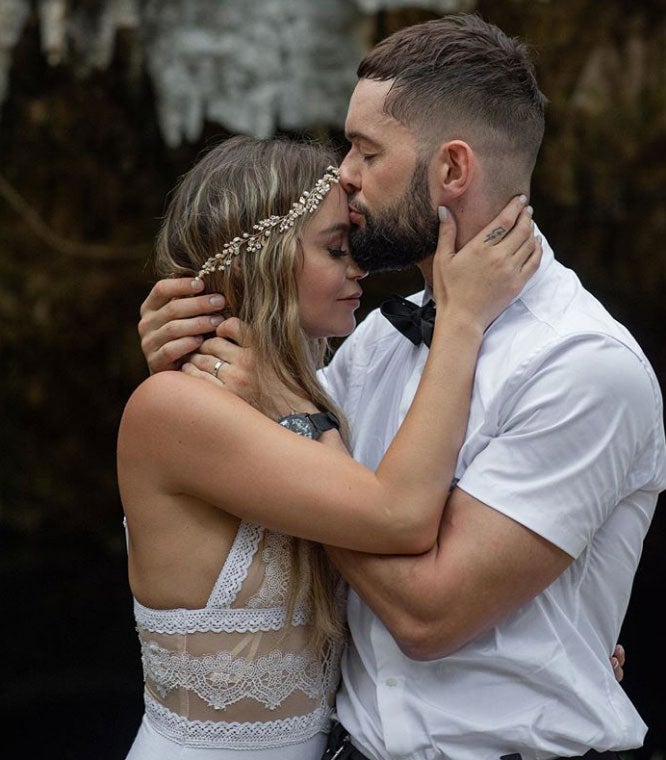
{"points": [[348, 176]]}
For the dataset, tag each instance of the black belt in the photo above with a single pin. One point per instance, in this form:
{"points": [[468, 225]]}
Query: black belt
{"points": [[594, 755], [591, 755], [339, 747]]}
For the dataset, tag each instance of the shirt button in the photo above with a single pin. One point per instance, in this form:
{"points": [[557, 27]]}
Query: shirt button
{"points": [[391, 682]]}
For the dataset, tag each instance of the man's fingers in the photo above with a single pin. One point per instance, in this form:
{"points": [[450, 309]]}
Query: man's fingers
{"points": [[180, 309], [617, 661], [153, 339], [194, 326], [618, 670], [619, 655], [165, 290], [170, 355], [158, 335], [174, 320]]}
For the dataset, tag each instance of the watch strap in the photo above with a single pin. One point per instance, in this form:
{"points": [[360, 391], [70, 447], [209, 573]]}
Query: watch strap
{"points": [[324, 421], [310, 425]]}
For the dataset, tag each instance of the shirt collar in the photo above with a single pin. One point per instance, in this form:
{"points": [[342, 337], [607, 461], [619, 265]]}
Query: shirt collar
{"points": [[547, 258]]}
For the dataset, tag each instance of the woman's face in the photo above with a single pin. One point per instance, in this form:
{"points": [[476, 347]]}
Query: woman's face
{"points": [[328, 280]]}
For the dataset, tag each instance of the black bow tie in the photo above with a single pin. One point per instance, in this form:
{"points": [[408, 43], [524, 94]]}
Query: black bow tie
{"points": [[415, 322]]}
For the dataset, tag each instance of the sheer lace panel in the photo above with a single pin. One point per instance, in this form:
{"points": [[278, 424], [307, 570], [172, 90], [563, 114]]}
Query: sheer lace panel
{"points": [[237, 674], [241, 736], [237, 565], [257, 676], [277, 574]]}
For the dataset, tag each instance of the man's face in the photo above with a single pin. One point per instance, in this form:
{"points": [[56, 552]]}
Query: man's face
{"points": [[391, 209]]}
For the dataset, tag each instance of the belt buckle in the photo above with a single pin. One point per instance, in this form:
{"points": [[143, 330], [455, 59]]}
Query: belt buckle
{"points": [[341, 748]]}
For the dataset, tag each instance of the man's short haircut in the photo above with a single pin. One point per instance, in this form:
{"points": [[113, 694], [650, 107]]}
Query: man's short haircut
{"points": [[459, 77]]}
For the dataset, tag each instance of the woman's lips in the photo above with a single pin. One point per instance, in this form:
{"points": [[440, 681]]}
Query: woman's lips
{"points": [[355, 217], [355, 298]]}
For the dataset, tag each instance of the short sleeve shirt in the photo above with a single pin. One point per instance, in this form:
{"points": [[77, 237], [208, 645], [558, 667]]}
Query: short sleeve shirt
{"points": [[565, 436]]}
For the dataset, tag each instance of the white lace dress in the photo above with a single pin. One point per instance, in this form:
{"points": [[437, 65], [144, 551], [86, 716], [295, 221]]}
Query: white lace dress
{"points": [[234, 679]]}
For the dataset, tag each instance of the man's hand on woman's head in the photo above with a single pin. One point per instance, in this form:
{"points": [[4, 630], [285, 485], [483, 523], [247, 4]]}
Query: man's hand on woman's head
{"points": [[174, 321]]}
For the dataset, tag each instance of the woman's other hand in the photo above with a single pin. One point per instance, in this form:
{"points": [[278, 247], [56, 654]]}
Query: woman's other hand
{"points": [[478, 282], [229, 360]]}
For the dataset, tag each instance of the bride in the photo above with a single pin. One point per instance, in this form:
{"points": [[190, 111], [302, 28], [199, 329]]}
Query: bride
{"points": [[237, 607]]}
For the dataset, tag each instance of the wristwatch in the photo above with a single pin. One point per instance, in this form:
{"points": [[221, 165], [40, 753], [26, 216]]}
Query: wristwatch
{"points": [[310, 425]]}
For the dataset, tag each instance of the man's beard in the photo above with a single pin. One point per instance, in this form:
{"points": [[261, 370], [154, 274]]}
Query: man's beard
{"points": [[399, 236]]}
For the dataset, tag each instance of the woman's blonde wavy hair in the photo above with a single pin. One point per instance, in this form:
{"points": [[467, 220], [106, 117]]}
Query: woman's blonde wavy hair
{"points": [[235, 185]]}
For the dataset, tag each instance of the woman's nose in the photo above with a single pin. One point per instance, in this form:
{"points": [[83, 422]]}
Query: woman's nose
{"points": [[354, 272]]}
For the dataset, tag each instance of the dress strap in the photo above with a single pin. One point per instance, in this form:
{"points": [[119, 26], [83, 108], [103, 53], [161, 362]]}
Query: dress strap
{"points": [[236, 566]]}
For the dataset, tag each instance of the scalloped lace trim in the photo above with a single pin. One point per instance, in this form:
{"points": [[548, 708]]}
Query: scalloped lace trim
{"points": [[222, 679], [256, 735], [233, 620], [277, 572], [265, 610], [236, 566]]}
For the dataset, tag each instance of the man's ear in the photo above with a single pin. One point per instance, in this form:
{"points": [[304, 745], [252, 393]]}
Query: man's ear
{"points": [[454, 168]]}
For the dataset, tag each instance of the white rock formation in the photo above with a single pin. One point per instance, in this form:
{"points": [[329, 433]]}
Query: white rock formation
{"points": [[253, 66]]}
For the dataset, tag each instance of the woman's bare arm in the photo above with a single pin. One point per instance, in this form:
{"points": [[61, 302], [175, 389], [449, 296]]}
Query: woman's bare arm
{"points": [[182, 436]]}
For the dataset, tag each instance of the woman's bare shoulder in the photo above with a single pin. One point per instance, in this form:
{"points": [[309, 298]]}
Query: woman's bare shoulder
{"points": [[174, 398]]}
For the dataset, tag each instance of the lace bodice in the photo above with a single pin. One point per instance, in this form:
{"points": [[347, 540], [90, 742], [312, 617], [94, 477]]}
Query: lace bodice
{"points": [[236, 674]]}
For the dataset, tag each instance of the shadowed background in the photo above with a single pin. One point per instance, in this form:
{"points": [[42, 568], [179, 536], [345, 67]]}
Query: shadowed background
{"points": [[90, 147]]}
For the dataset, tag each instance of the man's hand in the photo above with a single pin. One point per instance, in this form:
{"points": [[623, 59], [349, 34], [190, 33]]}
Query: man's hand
{"points": [[617, 662], [174, 321]]}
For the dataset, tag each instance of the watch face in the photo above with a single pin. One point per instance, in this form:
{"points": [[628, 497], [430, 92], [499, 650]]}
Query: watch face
{"points": [[299, 424]]}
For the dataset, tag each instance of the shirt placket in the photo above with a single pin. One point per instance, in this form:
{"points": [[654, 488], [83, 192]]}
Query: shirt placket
{"points": [[398, 728], [390, 684], [412, 384]]}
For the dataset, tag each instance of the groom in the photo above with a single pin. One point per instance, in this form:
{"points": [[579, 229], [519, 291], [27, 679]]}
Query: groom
{"points": [[494, 644]]}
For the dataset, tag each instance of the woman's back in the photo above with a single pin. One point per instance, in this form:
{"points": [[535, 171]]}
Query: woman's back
{"points": [[235, 674]]}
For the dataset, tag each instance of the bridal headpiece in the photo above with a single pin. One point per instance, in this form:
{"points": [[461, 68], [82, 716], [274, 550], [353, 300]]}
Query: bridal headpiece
{"points": [[306, 204]]}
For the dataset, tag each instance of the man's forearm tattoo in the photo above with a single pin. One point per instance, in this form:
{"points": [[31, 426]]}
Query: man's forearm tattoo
{"points": [[498, 232]]}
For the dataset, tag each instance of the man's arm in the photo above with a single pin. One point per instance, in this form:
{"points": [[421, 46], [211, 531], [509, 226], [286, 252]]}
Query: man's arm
{"points": [[484, 566], [553, 475], [174, 320]]}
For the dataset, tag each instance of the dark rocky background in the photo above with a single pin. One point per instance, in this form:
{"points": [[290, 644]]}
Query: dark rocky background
{"points": [[83, 176]]}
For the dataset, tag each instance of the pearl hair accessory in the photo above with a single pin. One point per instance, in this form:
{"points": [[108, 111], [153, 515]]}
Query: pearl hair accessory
{"points": [[306, 204]]}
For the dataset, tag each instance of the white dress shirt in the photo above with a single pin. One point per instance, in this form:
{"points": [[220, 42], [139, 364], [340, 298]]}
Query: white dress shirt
{"points": [[566, 437]]}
